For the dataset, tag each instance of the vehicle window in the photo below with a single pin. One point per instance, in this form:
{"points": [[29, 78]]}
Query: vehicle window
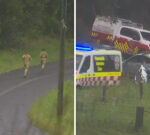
{"points": [[86, 65], [146, 35], [78, 60], [130, 33], [126, 32], [135, 36], [106, 63]]}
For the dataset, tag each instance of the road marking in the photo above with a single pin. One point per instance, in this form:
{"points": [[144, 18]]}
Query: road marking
{"points": [[21, 84]]}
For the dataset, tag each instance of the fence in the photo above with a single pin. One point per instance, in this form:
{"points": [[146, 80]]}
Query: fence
{"points": [[115, 116]]}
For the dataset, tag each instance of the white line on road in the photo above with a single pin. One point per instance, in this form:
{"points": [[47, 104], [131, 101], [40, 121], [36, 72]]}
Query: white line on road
{"points": [[21, 84]]}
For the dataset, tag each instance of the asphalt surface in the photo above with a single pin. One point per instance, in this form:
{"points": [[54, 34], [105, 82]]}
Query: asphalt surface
{"points": [[17, 94]]}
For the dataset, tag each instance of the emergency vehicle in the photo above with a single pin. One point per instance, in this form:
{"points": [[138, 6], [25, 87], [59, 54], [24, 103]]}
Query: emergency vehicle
{"points": [[125, 35], [97, 67]]}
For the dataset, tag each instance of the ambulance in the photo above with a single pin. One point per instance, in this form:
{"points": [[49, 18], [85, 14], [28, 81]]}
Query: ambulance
{"points": [[97, 67], [127, 36]]}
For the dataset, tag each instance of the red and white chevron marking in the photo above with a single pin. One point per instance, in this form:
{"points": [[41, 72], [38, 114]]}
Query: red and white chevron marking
{"points": [[98, 81]]}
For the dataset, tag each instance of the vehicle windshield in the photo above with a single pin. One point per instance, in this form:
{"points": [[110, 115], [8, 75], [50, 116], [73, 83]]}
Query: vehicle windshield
{"points": [[145, 35], [78, 61], [106, 63]]}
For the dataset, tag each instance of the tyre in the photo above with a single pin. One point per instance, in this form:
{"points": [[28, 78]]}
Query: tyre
{"points": [[78, 87]]}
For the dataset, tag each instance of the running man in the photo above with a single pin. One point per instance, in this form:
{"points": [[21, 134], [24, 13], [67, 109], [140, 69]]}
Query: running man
{"points": [[26, 58], [43, 56]]}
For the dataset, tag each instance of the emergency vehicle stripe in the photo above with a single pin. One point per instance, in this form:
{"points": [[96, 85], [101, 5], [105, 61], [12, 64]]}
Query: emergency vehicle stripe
{"points": [[79, 53], [97, 81], [103, 74], [124, 47], [100, 52], [136, 49]]}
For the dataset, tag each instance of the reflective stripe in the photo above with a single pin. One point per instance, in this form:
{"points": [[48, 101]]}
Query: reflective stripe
{"points": [[99, 81], [104, 52], [136, 50], [79, 53], [87, 75], [100, 64], [109, 37], [94, 34], [100, 52], [123, 46]]}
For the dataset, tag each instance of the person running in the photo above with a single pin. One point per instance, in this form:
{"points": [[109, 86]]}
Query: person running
{"points": [[43, 56], [26, 58]]}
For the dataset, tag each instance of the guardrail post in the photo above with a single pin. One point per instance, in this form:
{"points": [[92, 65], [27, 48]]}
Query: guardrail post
{"points": [[139, 117]]}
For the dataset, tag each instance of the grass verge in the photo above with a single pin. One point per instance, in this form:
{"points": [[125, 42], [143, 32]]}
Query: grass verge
{"points": [[116, 116], [11, 59], [43, 113]]}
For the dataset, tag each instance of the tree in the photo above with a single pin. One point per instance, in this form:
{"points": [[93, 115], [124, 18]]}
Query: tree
{"points": [[19, 18]]}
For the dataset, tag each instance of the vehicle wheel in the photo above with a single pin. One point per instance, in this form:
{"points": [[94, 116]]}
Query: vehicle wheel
{"points": [[78, 87]]}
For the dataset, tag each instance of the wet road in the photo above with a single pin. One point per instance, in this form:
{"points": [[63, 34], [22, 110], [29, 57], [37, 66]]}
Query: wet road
{"points": [[17, 94]]}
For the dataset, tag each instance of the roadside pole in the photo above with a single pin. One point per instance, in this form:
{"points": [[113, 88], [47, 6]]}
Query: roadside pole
{"points": [[61, 60], [139, 117]]}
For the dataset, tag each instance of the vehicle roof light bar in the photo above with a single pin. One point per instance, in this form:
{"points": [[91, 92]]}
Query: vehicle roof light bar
{"points": [[84, 47]]}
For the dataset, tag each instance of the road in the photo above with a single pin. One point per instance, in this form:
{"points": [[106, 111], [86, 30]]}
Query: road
{"points": [[17, 94]]}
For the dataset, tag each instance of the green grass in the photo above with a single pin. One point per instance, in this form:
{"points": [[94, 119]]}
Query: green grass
{"points": [[11, 59], [43, 113], [117, 115]]}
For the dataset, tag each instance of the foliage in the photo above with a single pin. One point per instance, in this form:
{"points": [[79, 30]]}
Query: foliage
{"points": [[117, 115], [19, 18], [43, 113], [135, 10], [11, 59]]}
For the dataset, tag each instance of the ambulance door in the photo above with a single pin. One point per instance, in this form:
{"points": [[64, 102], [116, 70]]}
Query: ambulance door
{"points": [[84, 72], [134, 43]]}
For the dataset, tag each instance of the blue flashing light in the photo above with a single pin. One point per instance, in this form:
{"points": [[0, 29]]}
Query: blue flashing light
{"points": [[84, 47]]}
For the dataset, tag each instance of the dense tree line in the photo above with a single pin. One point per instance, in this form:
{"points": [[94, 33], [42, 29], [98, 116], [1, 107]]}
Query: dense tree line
{"points": [[32, 18], [135, 10]]}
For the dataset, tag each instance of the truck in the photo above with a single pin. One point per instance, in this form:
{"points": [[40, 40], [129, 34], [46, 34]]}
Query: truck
{"points": [[127, 36]]}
